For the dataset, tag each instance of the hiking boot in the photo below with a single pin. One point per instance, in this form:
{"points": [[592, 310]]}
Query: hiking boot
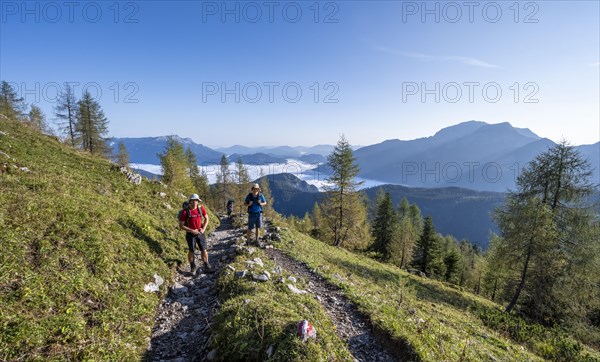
{"points": [[193, 268], [208, 268]]}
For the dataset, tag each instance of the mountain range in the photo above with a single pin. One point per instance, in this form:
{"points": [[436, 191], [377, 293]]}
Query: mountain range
{"points": [[474, 155], [462, 213], [146, 149]]}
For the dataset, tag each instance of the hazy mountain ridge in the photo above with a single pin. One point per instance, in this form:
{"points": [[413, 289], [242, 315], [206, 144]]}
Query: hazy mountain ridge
{"points": [[473, 155], [146, 149], [460, 212]]}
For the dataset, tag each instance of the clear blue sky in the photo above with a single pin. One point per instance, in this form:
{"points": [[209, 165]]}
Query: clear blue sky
{"points": [[374, 58]]}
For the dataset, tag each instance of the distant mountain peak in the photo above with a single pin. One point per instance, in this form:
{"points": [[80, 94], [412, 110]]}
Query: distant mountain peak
{"points": [[178, 138], [459, 130]]}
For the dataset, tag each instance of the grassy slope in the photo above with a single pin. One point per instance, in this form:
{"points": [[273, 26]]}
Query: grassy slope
{"points": [[440, 322], [78, 244], [257, 315]]}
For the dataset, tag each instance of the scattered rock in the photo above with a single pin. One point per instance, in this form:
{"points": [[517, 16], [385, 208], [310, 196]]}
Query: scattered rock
{"points": [[275, 237], [295, 290], [24, 169], [168, 206], [277, 270], [134, 178], [179, 289], [162, 194], [292, 279], [7, 156], [240, 274], [270, 351], [154, 286], [258, 262], [230, 267], [416, 272], [212, 355], [260, 277]]}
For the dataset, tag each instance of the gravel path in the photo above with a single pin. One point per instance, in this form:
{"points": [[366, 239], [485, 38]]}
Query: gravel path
{"points": [[182, 326], [183, 322], [351, 325]]}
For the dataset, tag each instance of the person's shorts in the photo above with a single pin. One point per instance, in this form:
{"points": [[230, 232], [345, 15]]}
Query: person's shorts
{"points": [[254, 220], [192, 240]]}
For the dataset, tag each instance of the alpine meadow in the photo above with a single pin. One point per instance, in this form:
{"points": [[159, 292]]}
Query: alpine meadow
{"points": [[300, 181]]}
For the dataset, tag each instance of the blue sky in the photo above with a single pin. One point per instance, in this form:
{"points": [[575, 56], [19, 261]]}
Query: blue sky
{"points": [[369, 70]]}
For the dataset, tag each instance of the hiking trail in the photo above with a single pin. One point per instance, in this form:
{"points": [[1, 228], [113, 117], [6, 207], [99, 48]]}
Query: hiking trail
{"points": [[183, 322]]}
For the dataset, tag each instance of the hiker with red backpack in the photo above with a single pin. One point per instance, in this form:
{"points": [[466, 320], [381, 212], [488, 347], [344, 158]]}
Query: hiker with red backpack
{"points": [[194, 221]]}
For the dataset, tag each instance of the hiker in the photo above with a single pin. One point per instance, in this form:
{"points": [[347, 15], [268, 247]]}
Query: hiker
{"points": [[194, 221], [255, 201], [229, 208]]}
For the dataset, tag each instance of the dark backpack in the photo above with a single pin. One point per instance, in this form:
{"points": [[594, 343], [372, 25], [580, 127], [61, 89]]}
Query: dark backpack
{"points": [[184, 208]]}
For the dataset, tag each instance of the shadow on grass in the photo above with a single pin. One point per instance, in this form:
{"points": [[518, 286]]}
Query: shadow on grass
{"points": [[427, 290], [364, 271], [139, 233]]}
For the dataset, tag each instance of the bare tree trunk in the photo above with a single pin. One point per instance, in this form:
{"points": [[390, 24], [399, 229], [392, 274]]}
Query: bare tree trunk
{"points": [[513, 302]]}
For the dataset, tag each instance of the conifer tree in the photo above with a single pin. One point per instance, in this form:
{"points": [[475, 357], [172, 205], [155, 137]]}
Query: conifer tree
{"points": [[547, 228], [344, 207], [175, 166], [11, 105], [385, 224], [317, 222], [122, 157], [199, 179], [427, 256], [224, 181], [265, 189], [243, 183], [66, 115], [37, 119], [92, 126]]}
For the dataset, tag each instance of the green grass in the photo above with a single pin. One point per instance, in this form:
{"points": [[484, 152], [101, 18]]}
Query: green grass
{"points": [[257, 315], [438, 321], [78, 244]]}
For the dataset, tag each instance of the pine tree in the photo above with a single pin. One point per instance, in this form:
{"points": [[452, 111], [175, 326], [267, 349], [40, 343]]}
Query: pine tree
{"points": [[199, 179], [306, 223], [427, 257], [37, 119], [224, 180], [175, 166], [265, 189], [317, 222], [385, 224], [243, 183], [554, 249], [452, 261], [122, 157], [343, 204], [92, 126], [407, 233], [529, 240], [66, 115], [402, 249], [11, 105]]}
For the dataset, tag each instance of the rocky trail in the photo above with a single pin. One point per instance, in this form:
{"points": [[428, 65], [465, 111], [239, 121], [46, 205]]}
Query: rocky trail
{"points": [[183, 322], [351, 326]]}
